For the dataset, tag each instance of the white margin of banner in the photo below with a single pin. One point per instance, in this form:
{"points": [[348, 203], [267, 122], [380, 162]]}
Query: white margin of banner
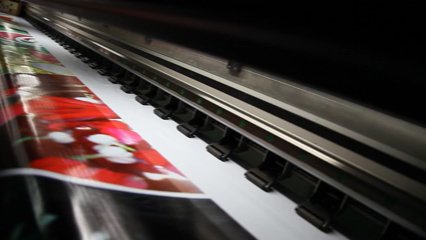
{"points": [[96, 184]]}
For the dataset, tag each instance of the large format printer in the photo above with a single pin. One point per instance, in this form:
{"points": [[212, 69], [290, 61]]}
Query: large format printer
{"points": [[320, 103]]}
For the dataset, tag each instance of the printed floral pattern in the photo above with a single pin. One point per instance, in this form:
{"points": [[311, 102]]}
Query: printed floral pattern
{"points": [[64, 128]]}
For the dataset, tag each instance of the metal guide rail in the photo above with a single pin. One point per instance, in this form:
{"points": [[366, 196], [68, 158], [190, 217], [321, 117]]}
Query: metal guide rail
{"points": [[331, 194], [355, 127]]}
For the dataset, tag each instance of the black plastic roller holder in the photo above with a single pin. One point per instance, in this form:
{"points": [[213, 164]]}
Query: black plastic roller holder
{"points": [[72, 50], [187, 129], [62, 42], [230, 142], [56, 38], [87, 56], [224, 147], [322, 206], [114, 79], [357, 221], [95, 61], [126, 89], [143, 99], [128, 82], [103, 71], [78, 54], [115, 71], [314, 219], [142, 87], [260, 179], [265, 175], [105, 68], [117, 75], [73, 47], [219, 151], [85, 59], [167, 110], [59, 38], [163, 113], [193, 125], [77, 48], [148, 95], [93, 64]]}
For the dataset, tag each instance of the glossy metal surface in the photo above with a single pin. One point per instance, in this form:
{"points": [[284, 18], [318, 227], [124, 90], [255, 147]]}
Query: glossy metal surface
{"points": [[368, 51], [386, 133], [378, 130]]}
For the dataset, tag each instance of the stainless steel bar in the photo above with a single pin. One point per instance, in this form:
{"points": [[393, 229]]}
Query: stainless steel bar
{"points": [[388, 134]]}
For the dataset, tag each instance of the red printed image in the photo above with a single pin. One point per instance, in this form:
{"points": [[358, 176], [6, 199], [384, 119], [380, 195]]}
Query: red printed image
{"points": [[64, 128], [6, 18], [80, 136], [16, 37], [44, 57]]}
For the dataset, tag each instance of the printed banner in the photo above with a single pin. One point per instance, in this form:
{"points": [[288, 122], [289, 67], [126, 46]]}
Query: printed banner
{"points": [[72, 169]]}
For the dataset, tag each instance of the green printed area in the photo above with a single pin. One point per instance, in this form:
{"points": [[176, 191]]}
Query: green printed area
{"points": [[22, 54], [3, 70], [32, 46], [5, 28]]}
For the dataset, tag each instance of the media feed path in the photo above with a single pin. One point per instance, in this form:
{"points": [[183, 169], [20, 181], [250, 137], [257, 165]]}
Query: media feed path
{"points": [[71, 169]]}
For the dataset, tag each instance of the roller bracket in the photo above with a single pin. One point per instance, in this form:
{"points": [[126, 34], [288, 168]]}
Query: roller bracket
{"points": [[166, 111], [260, 179], [187, 129], [219, 151], [93, 64], [163, 113], [322, 206], [270, 169], [143, 99], [126, 89], [114, 79]]}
